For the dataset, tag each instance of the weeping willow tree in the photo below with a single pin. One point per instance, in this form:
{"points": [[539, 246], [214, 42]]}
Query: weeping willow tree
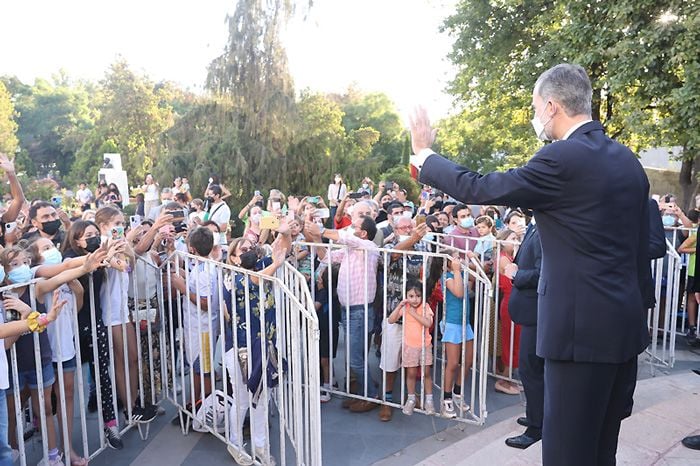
{"points": [[255, 91]]}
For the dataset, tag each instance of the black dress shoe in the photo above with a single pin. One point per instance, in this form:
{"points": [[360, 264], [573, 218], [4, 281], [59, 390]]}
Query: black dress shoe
{"points": [[692, 442], [523, 441], [522, 420]]}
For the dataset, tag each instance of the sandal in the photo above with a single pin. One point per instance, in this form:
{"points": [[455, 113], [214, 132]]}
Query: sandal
{"points": [[503, 387], [78, 460]]}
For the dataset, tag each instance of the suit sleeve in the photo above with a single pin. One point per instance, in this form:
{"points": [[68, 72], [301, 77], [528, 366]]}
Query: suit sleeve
{"points": [[537, 185], [528, 278], [657, 237]]}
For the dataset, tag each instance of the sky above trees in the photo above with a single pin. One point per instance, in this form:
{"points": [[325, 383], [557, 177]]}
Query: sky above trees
{"points": [[390, 46]]}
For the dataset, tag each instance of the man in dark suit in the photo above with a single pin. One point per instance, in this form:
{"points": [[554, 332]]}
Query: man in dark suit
{"points": [[525, 273], [591, 322]]}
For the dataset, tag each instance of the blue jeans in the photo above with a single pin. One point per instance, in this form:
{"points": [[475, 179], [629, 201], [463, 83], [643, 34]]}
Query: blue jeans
{"points": [[5, 450], [356, 334]]}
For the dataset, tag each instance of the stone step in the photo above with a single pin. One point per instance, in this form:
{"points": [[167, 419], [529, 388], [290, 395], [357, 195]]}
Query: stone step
{"points": [[666, 410]]}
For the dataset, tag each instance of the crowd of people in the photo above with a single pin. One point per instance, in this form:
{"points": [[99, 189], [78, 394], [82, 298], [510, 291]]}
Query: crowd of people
{"points": [[96, 247]]}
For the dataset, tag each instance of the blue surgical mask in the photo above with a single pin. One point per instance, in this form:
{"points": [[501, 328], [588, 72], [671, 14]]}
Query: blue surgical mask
{"points": [[21, 274], [52, 256], [669, 220], [467, 222]]}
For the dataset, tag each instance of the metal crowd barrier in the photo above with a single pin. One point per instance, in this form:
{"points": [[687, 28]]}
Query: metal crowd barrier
{"points": [[292, 392], [156, 354], [383, 302]]}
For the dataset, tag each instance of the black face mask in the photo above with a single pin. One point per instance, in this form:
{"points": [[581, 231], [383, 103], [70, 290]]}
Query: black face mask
{"points": [[249, 259], [51, 227], [93, 244], [386, 205], [210, 200]]}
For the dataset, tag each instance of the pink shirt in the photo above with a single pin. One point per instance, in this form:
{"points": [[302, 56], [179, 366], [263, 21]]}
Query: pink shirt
{"points": [[412, 329], [357, 277]]}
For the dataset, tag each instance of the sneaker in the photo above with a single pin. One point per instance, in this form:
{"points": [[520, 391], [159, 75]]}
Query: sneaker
{"points": [[55, 462], [691, 335], [142, 415], [429, 406], [459, 402], [448, 409], [239, 455], [114, 440], [325, 394], [264, 459], [409, 406]]}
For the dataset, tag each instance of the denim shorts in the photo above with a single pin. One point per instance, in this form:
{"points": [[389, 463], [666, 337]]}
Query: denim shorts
{"points": [[68, 366], [453, 333], [30, 379]]}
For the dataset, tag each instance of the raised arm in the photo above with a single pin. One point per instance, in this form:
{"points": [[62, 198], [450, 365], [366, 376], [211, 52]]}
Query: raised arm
{"points": [[18, 199]]}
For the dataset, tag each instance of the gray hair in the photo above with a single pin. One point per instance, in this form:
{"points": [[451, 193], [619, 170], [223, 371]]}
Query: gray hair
{"points": [[401, 219], [569, 85]]}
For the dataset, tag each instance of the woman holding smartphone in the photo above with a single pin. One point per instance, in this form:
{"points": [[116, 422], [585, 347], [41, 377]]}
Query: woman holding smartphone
{"points": [[115, 314]]}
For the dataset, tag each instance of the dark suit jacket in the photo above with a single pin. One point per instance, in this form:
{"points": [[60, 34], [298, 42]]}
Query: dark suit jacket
{"points": [[590, 198], [523, 299]]}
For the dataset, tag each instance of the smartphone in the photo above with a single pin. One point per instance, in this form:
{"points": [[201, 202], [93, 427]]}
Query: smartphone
{"points": [[269, 223], [356, 195], [180, 227], [56, 201], [389, 185], [135, 221], [177, 214], [322, 213], [11, 315], [102, 177], [10, 226], [117, 233], [314, 199]]}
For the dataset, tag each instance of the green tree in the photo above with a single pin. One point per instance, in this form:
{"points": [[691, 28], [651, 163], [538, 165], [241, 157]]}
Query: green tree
{"points": [[54, 118], [641, 65], [8, 127], [132, 118]]}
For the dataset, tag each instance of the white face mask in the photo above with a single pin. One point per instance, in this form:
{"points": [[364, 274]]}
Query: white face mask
{"points": [[538, 126]]}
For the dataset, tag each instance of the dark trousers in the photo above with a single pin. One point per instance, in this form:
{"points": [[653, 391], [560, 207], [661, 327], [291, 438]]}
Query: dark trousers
{"points": [[532, 375], [584, 404]]}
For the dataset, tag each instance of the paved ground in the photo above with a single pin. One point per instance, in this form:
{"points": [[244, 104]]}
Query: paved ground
{"points": [[361, 439]]}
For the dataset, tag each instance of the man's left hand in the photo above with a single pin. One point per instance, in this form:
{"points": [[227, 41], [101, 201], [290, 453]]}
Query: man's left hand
{"points": [[510, 270]]}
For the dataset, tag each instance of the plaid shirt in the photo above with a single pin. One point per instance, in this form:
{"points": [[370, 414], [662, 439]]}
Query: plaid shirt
{"points": [[357, 279]]}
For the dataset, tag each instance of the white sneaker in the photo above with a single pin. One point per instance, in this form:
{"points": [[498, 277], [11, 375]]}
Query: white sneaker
{"points": [[448, 409], [461, 405], [57, 462], [429, 406], [239, 455], [264, 459], [325, 394], [409, 406]]}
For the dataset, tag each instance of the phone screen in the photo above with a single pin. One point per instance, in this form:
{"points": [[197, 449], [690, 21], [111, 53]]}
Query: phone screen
{"points": [[117, 233]]}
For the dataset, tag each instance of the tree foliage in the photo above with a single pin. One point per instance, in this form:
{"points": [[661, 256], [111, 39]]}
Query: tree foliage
{"points": [[8, 127], [640, 55]]}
